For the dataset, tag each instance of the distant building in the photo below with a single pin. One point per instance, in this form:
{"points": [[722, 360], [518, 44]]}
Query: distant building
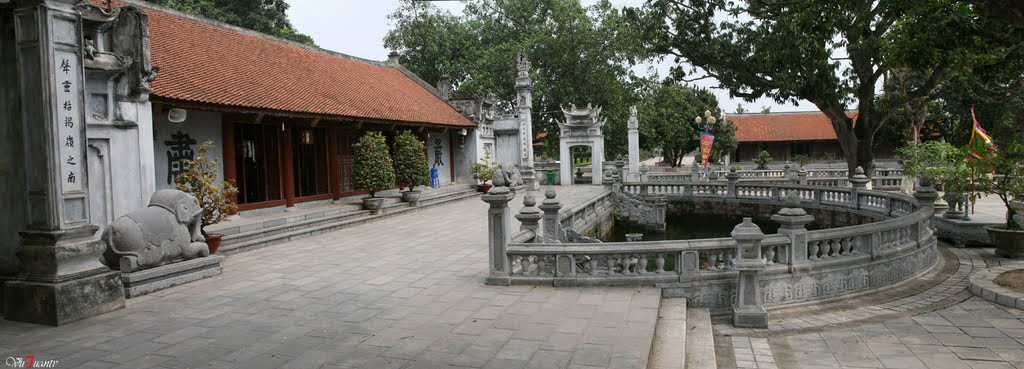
{"points": [[786, 135]]}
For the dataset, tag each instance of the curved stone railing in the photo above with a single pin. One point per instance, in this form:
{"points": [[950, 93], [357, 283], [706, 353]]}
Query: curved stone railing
{"points": [[794, 266], [884, 179]]}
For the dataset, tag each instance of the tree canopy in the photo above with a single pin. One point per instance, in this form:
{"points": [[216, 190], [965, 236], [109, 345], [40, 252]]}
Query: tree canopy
{"points": [[267, 16], [667, 111], [833, 54], [580, 55]]}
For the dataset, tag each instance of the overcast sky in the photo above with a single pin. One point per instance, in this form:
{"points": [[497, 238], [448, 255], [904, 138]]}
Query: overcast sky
{"points": [[357, 28]]}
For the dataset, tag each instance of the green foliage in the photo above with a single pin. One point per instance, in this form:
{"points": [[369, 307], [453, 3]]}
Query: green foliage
{"points": [[579, 55], [373, 170], [830, 53], [1002, 174], [802, 159], [267, 16], [763, 159], [725, 141], [830, 158], [200, 180], [940, 161], [411, 168], [485, 169], [666, 114]]}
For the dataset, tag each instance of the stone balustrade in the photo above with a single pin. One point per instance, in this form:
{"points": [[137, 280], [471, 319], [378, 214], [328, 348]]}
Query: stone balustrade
{"points": [[884, 179], [798, 265]]}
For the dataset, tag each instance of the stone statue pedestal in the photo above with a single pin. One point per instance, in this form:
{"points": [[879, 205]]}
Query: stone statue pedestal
{"points": [[170, 275]]}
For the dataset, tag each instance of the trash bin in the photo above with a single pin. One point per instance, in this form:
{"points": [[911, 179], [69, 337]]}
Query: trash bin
{"points": [[435, 178], [551, 178]]}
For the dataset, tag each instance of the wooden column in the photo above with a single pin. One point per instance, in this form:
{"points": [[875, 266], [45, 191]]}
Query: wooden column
{"points": [[227, 126], [333, 164], [287, 167]]}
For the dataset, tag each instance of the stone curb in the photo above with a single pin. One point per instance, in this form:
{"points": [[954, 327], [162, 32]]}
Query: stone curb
{"points": [[983, 285]]}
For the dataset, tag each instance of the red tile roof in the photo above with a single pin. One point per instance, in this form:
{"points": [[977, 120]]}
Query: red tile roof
{"points": [[797, 126], [204, 62]]}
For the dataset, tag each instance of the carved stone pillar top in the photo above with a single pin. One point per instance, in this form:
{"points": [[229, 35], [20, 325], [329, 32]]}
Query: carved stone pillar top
{"points": [[859, 180], [550, 205], [748, 238], [792, 216]]}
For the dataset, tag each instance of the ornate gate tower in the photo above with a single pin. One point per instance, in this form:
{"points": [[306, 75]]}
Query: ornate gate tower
{"points": [[582, 127]]}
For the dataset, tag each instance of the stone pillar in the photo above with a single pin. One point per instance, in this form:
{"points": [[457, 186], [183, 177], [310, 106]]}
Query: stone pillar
{"points": [[552, 227], [620, 173], [733, 178], [660, 207], [597, 161], [925, 193], [529, 216], [748, 312], [801, 176], [565, 163], [524, 96], [287, 168], [786, 170], [633, 138], [60, 279], [694, 173], [858, 182], [793, 220], [499, 232]]}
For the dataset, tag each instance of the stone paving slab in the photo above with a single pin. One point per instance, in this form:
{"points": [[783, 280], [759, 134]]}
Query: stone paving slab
{"points": [[969, 333], [983, 285], [405, 292]]}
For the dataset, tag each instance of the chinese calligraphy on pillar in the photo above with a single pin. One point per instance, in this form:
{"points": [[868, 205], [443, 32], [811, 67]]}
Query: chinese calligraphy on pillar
{"points": [[179, 154], [438, 153], [69, 130]]}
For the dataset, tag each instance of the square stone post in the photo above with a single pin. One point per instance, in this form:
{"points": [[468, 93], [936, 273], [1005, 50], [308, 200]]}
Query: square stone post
{"points": [[499, 232], [858, 183], [748, 312], [552, 227], [529, 216], [801, 176], [793, 220], [733, 178], [60, 279], [694, 173], [633, 139]]}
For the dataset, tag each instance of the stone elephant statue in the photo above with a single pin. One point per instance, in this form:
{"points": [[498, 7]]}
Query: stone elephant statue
{"points": [[166, 231]]}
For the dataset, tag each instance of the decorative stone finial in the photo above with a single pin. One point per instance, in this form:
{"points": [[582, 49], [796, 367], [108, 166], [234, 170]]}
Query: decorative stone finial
{"points": [[859, 171], [499, 180], [747, 230], [550, 193], [528, 200], [792, 200]]}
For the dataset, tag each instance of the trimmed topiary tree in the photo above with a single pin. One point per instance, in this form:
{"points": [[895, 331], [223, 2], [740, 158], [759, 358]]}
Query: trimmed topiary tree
{"points": [[373, 170], [411, 168]]}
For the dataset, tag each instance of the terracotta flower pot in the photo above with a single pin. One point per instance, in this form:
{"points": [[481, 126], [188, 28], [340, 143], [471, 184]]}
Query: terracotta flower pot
{"points": [[484, 187], [213, 242]]}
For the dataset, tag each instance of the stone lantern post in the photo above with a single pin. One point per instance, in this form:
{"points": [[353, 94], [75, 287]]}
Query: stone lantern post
{"points": [[858, 182], [748, 312], [529, 216], [499, 231], [733, 178], [551, 206]]}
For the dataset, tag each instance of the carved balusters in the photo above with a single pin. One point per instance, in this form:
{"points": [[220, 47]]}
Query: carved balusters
{"points": [[641, 264], [812, 250], [659, 263]]}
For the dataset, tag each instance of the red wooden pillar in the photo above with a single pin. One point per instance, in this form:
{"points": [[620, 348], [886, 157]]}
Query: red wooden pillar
{"points": [[334, 165], [287, 166], [228, 149]]}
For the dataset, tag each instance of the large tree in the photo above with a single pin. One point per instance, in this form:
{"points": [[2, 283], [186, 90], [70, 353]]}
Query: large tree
{"points": [[834, 54], [267, 16], [667, 113], [580, 55]]}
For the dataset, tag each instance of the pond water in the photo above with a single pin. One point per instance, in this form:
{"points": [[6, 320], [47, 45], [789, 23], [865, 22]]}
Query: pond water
{"points": [[692, 226]]}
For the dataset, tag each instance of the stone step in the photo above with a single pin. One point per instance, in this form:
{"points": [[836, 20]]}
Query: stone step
{"points": [[700, 341], [255, 240], [345, 214], [669, 348]]}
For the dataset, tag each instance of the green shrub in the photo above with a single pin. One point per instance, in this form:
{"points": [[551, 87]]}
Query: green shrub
{"points": [[763, 159], [802, 159], [373, 170], [411, 168], [484, 170], [200, 180]]}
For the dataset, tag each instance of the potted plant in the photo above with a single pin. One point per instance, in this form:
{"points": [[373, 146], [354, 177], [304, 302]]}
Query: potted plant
{"points": [[802, 159], [763, 159], [1002, 174], [372, 170], [484, 171], [217, 202], [411, 168]]}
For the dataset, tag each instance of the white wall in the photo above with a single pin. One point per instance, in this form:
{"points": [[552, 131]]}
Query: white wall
{"points": [[201, 126]]}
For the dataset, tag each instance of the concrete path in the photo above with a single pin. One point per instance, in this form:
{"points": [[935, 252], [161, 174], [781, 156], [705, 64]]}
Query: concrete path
{"points": [[404, 292]]}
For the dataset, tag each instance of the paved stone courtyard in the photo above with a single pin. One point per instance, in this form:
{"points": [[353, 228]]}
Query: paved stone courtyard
{"points": [[405, 292], [408, 292]]}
